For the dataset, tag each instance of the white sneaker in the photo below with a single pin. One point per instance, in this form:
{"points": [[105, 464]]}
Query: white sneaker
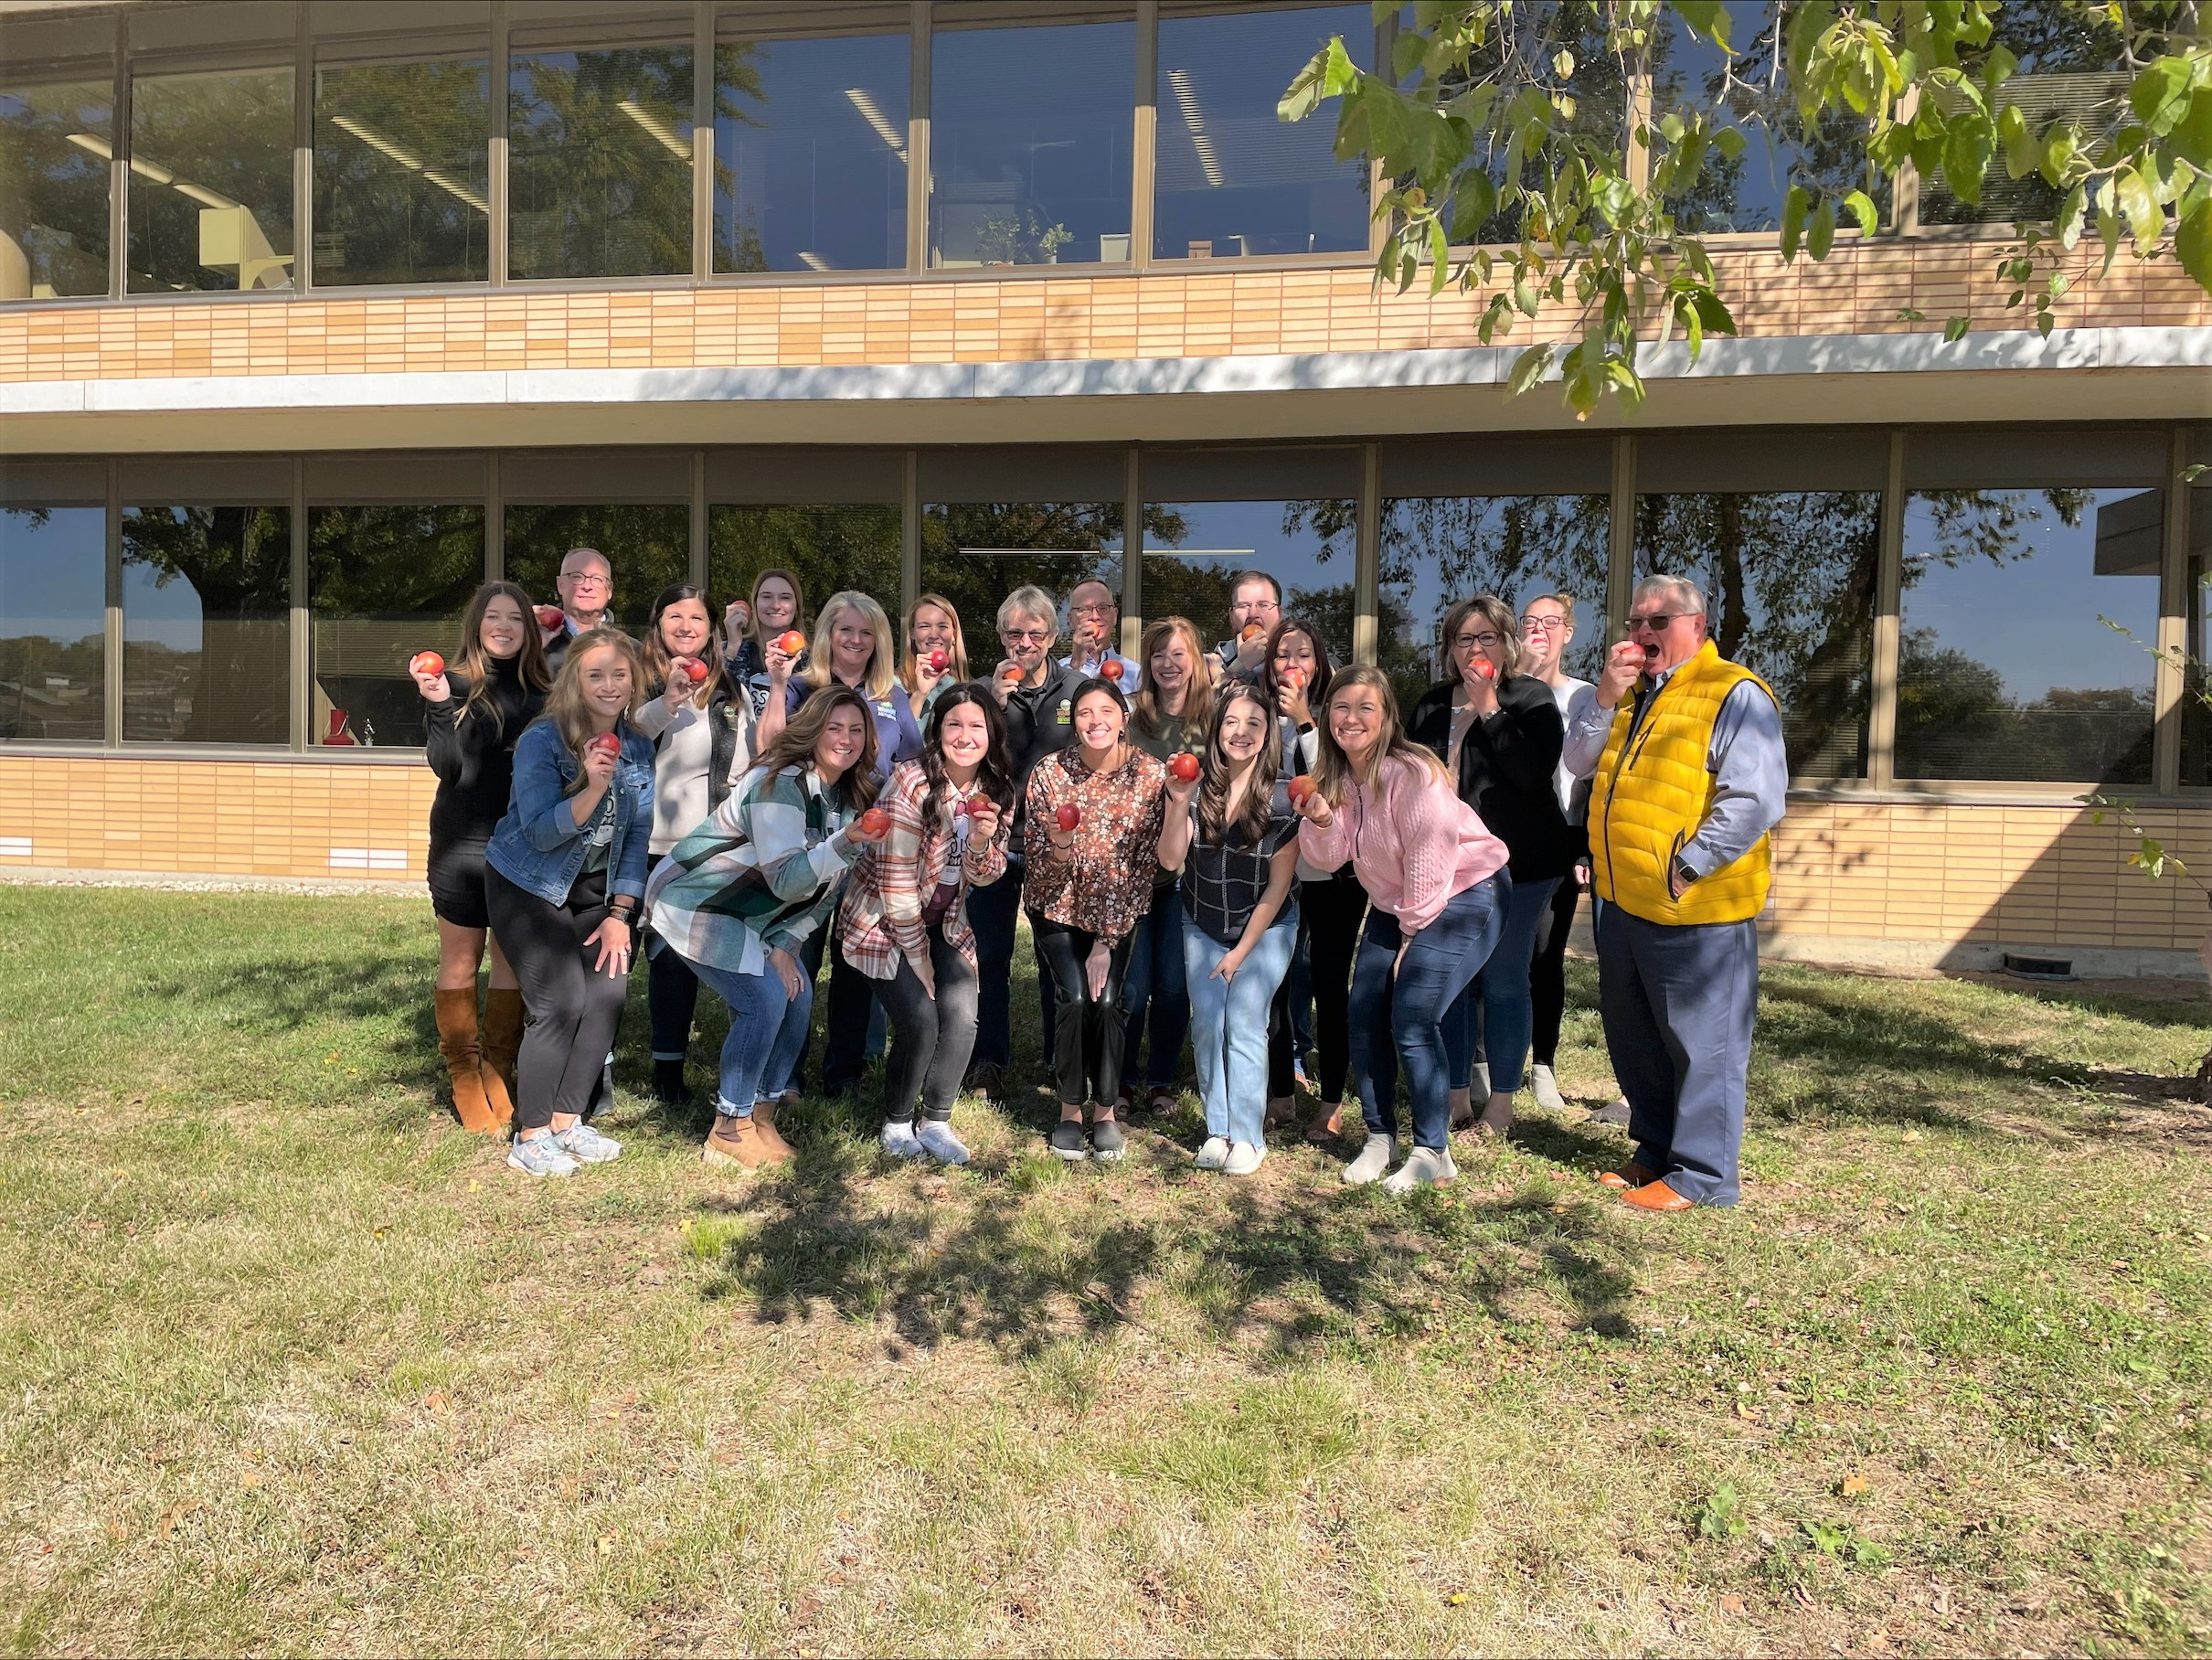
{"points": [[1373, 1160], [939, 1142], [541, 1155], [581, 1143], [1424, 1167], [1214, 1154], [900, 1142], [1547, 1088], [1243, 1159]]}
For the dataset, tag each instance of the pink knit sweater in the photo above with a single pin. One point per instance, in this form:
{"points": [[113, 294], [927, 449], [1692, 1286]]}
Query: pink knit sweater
{"points": [[1412, 842]]}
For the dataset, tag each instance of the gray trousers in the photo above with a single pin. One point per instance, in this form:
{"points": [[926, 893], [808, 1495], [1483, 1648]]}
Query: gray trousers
{"points": [[1678, 1004]]}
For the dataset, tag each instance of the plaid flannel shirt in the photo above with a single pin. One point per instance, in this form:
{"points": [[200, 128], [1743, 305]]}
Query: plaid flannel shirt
{"points": [[761, 874], [880, 919]]}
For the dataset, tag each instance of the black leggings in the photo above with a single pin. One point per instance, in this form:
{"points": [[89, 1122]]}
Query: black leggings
{"points": [[932, 1036], [575, 1010], [1087, 1031], [1547, 971], [1329, 912]]}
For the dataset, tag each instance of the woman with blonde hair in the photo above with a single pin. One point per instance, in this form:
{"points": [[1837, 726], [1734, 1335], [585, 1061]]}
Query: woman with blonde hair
{"points": [[565, 878], [1174, 695], [937, 652], [473, 712], [1430, 870]]}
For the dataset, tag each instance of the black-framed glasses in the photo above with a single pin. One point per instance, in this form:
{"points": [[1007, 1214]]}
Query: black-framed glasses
{"points": [[1542, 625], [1482, 641]]}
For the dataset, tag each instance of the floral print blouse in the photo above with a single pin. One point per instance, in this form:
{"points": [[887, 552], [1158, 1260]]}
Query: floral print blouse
{"points": [[1102, 883]]}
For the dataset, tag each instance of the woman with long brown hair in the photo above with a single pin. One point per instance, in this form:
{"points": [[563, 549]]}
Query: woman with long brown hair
{"points": [[741, 895], [567, 878], [775, 608], [474, 709], [1430, 870]]}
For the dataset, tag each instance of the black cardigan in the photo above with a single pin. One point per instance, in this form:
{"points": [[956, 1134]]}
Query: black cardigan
{"points": [[474, 758], [1508, 762]]}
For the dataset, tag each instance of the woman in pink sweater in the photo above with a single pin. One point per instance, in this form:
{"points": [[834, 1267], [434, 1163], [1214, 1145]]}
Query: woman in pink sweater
{"points": [[1436, 878]]}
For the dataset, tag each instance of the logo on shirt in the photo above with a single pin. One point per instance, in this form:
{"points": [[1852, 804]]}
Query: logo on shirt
{"points": [[1062, 715]]}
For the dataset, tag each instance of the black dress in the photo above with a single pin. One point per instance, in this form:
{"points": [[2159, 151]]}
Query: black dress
{"points": [[473, 757], [1509, 771]]}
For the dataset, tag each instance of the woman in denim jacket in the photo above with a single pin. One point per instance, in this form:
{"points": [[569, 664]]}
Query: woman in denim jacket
{"points": [[566, 877]]}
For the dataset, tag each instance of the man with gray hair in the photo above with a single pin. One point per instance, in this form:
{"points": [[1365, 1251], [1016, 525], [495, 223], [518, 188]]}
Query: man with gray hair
{"points": [[586, 586], [1685, 750]]}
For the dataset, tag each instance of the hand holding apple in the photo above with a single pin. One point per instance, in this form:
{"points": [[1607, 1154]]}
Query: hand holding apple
{"points": [[939, 661], [737, 618], [429, 671], [550, 618], [871, 826], [1183, 767], [600, 756], [1623, 665], [1311, 804]]}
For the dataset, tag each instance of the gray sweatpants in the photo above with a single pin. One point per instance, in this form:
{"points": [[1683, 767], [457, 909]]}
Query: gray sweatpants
{"points": [[1678, 1004]]}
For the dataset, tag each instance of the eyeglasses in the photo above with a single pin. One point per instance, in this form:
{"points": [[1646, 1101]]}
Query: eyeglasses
{"points": [[1542, 625], [1482, 641], [583, 578], [1097, 610], [1659, 621], [1038, 636]]}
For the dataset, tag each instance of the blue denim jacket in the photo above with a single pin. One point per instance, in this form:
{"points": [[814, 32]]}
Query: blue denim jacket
{"points": [[537, 845]]}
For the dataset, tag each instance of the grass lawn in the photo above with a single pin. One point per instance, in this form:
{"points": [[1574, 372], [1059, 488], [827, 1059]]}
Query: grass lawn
{"points": [[290, 1363]]}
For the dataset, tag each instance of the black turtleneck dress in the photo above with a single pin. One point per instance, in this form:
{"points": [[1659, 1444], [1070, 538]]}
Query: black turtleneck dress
{"points": [[473, 756]]}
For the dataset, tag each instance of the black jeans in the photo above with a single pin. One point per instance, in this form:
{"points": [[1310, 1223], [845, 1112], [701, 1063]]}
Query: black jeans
{"points": [[852, 1005], [574, 1010], [1088, 1031], [1547, 971], [672, 995], [931, 1037], [1330, 912]]}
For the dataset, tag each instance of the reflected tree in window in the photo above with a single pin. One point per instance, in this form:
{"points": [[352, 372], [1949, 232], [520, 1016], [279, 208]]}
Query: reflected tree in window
{"points": [[648, 546], [207, 624], [1301, 554], [54, 148], [976, 553], [401, 172], [599, 165], [53, 601], [1788, 578], [384, 583], [827, 547]]}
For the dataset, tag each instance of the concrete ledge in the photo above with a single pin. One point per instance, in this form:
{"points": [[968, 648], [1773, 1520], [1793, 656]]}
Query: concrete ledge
{"points": [[2091, 962]]}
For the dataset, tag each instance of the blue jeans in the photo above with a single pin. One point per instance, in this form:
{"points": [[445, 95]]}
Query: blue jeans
{"points": [[1228, 1026], [992, 910], [1495, 1015], [1155, 978], [767, 1035], [1399, 1020]]}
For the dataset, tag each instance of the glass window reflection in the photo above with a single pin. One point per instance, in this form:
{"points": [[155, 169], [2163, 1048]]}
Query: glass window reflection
{"points": [[599, 158], [1193, 551], [827, 547], [976, 553], [383, 583], [211, 181], [2007, 669], [402, 185], [811, 145], [56, 140], [1232, 180], [53, 622], [648, 547], [1030, 134], [206, 654]]}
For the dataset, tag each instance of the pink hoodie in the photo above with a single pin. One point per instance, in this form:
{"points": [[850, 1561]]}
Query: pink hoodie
{"points": [[1414, 845]]}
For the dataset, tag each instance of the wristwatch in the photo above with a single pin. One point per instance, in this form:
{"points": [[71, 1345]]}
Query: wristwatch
{"points": [[1683, 870]]}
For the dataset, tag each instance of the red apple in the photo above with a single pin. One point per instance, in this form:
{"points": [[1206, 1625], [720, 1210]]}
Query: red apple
{"points": [[1184, 766], [739, 615], [1069, 815], [1252, 630], [875, 823], [1485, 668], [981, 804], [606, 743], [938, 660], [1300, 788], [693, 670], [791, 643], [1294, 678], [548, 617], [426, 662]]}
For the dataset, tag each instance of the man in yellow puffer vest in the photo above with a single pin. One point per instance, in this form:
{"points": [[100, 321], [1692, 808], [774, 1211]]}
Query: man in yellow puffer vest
{"points": [[1685, 750]]}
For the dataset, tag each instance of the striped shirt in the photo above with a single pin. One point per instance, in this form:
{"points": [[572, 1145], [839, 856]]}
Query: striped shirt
{"points": [[1224, 882], [879, 920], [761, 874]]}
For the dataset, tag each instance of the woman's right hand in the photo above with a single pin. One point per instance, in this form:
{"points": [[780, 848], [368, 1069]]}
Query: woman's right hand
{"points": [[1316, 811], [779, 663], [737, 619], [926, 972], [679, 684], [435, 689], [598, 766], [1180, 790], [787, 969], [1290, 702]]}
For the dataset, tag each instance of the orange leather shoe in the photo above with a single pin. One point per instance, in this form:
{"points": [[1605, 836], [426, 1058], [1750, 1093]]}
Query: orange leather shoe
{"points": [[1655, 1195], [1630, 1174]]}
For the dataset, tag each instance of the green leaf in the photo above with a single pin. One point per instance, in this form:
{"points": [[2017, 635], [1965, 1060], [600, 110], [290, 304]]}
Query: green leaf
{"points": [[1912, 314], [1955, 330], [1715, 315], [1967, 150], [2139, 201], [1474, 200], [1563, 64], [2192, 244], [2023, 155], [1794, 208], [2159, 96], [1707, 19], [1730, 142], [1823, 235], [1527, 370], [1861, 208], [1304, 95], [1998, 67], [2059, 146], [1439, 256], [1525, 296], [2072, 215]]}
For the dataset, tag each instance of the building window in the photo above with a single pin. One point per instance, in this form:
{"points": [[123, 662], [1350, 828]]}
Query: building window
{"points": [[211, 181], [1030, 130], [1788, 580], [976, 553], [383, 583], [598, 129], [1438, 550], [827, 547], [811, 143], [2008, 668], [648, 547], [53, 623], [207, 596], [402, 179], [2197, 607], [1194, 550], [56, 138], [1231, 179]]}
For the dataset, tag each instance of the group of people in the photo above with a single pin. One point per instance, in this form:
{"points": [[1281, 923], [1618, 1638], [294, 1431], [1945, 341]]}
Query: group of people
{"points": [[1243, 848]]}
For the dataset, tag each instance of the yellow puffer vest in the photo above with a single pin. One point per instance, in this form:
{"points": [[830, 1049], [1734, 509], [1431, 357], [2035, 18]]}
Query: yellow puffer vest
{"points": [[1647, 801]]}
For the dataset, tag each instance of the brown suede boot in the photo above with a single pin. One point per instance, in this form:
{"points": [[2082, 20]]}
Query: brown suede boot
{"points": [[502, 1042], [464, 1060], [764, 1121], [739, 1142]]}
